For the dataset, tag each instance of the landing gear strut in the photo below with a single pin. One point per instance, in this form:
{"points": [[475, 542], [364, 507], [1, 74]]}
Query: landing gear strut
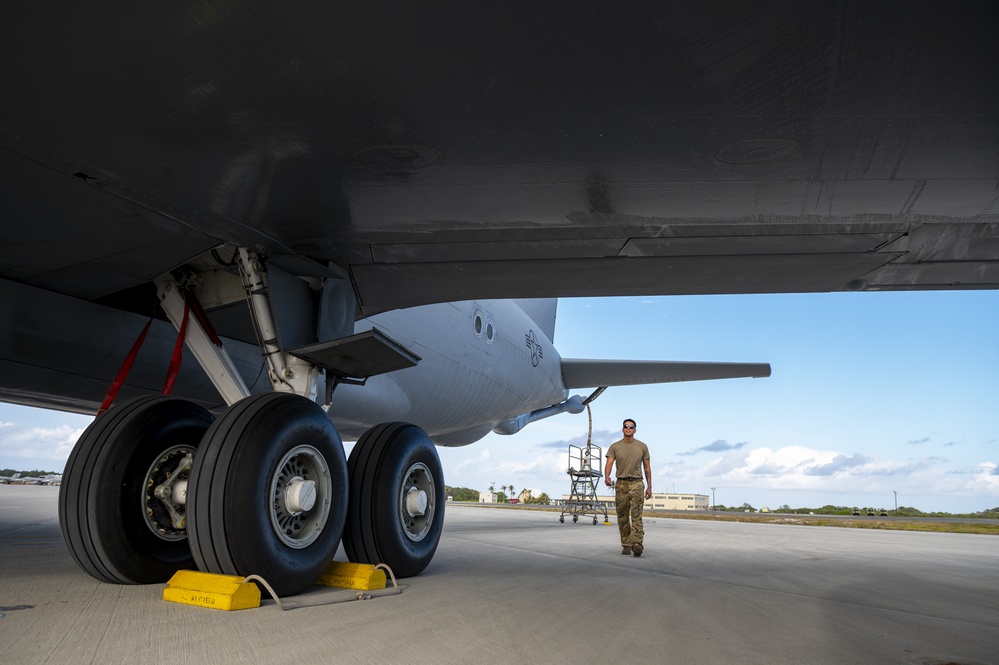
{"points": [[154, 485]]}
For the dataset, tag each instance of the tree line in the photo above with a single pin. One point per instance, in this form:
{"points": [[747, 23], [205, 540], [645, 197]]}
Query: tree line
{"points": [[902, 511], [35, 473], [467, 494]]}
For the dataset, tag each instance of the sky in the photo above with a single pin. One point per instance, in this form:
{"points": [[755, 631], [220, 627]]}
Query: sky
{"points": [[875, 398]]}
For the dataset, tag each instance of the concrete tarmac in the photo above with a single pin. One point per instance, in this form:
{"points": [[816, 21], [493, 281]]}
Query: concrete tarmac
{"points": [[515, 586]]}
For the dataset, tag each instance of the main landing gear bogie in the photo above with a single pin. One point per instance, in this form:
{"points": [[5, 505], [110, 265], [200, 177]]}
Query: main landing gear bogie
{"points": [[154, 486]]}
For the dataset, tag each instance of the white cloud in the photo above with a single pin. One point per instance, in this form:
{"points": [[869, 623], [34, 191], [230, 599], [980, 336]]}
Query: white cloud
{"points": [[797, 474], [834, 473], [473, 465], [984, 479], [37, 443], [540, 469]]}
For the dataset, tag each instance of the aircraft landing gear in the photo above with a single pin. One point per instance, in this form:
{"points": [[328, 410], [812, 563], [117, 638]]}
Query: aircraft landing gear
{"points": [[396, 508], [121, 504], [268, 492]]}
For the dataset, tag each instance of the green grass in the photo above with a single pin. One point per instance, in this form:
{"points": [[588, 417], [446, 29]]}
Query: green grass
{"points": [[895, 524], [900, 524]]}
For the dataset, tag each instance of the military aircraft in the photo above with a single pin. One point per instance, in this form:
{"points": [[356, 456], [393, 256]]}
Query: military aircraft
{"points": [[302, 190], [18, 479], [5, 480]]}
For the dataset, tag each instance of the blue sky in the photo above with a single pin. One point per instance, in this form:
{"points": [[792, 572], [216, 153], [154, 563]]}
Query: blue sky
{"points": [[871, 394]]}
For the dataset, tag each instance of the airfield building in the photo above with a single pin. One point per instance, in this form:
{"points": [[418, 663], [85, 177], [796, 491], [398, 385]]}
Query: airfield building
{"points": [[662, 501]]}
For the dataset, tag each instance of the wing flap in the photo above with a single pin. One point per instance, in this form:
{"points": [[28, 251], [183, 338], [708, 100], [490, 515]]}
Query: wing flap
{"points": [[588, 373]]}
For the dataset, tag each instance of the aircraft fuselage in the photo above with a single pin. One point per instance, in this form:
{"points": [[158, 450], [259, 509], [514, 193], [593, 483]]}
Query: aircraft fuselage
{"points": [[482, 362]]}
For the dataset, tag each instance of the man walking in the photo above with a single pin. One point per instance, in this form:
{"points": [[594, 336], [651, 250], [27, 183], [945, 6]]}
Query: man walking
{"points": [[632, 458]]}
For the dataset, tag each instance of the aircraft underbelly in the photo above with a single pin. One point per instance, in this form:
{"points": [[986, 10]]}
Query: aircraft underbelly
{"points": [[636, 149], [464, 381], [62, 352]]}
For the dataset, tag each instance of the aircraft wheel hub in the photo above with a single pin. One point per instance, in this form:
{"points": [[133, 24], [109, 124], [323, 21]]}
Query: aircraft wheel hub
{"points": [[416, 510], [416, 502], [165, 500], [300, 497]]}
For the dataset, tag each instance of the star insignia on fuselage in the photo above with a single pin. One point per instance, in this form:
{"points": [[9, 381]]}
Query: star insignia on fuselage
{"points": [[537, 353]]}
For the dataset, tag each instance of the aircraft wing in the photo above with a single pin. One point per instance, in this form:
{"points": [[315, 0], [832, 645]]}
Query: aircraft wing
{"points": [[586, 373], [514, 150]]}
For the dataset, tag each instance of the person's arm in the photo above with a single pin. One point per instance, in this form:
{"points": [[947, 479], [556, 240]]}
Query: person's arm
{"points": [[648, 478], [607, 471]]}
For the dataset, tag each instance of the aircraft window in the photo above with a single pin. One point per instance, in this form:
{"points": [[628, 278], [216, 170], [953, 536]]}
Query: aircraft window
{"points": [[477, 323], [490, 331]]}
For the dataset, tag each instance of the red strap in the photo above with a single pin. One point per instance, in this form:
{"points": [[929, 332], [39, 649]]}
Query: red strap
{"points": [[178, 352], [126, 367], [202, 317]]}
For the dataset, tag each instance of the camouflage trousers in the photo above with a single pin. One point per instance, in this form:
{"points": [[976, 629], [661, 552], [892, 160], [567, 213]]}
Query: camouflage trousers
{"points": [[630, 500]]}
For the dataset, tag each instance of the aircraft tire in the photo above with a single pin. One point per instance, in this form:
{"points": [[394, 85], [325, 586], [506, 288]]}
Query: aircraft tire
{"points": [[243, 519], [393, 468], [114, 528]]}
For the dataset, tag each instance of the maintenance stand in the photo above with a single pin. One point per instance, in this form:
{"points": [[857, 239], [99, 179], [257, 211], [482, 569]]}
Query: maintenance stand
{"points": [[584, 471]]}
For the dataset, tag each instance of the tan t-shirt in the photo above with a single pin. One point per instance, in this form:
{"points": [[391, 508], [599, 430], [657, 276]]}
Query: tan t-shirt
{"points": [[629, 457]]}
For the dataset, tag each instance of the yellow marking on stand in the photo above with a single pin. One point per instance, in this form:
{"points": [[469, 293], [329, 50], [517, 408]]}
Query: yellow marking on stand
{"points": [[217, 592], [363, 576]]}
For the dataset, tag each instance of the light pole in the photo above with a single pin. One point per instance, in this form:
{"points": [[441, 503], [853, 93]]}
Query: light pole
{"points": [[713, 504], [896, 502]]}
